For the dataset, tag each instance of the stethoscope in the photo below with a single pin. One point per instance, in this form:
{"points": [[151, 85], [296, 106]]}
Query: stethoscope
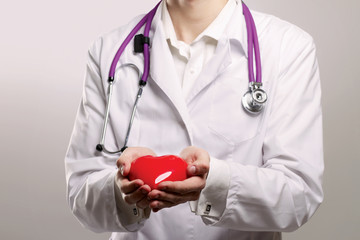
{"points": [[253, 100]]}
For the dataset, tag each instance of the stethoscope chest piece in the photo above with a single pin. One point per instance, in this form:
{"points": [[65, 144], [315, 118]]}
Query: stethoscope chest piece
{"points": [[254, 100]]}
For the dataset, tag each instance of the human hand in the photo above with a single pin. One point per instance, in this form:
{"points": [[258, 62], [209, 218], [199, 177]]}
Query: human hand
{"points": [[170, 194], [135, 191]]}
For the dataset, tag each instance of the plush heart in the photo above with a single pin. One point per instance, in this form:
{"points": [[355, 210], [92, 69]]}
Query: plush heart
{"points": [[154, 170]]}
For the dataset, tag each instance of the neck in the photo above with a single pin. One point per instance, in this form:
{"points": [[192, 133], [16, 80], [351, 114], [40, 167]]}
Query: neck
{"points": [[191, 17]]}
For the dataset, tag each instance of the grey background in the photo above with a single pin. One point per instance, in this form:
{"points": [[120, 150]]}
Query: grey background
{"points": [[43, 48]]}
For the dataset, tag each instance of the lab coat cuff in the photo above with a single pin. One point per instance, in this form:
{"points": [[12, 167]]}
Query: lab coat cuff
{"points": [[131, 217], [193, 205], [212, 200]]}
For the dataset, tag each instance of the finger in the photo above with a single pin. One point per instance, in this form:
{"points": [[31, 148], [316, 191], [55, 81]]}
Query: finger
{"points": [[198, 168], [197, 159], [124, 163], [173, 197], [158, 205], [143, 203], [136, 196], [192, 184], [155, 209], [189, 154], [129, 187], [125, 169], [129, 155]]}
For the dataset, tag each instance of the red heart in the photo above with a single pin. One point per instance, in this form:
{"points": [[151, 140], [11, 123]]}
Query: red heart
{"points": [[154, 170]]}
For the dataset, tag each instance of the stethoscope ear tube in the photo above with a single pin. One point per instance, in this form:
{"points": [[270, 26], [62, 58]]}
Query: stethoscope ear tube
{"points": [[101, 146]]}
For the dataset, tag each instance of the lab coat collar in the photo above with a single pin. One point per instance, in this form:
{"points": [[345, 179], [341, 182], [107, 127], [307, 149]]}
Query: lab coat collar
{"points": [[236, 31]]}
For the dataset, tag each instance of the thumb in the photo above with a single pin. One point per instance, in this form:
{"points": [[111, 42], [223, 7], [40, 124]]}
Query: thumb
{"points": [[191, 170], [125, 168], [197, 159], [198, 168]]}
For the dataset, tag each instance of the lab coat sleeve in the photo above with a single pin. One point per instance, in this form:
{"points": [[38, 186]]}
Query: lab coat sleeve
{"points": [[283, 193], [91, 175], [212, 200]]}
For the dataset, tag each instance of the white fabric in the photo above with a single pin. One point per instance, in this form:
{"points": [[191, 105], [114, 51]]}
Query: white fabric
{"points": [[275, 159], [131, 215], [189, 59]]}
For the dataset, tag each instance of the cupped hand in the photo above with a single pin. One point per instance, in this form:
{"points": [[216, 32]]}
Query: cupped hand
{"points": [[135, 191], [170, 194]]}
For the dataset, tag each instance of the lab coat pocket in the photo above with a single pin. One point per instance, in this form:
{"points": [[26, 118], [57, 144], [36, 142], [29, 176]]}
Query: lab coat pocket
{"points": [[228, 118]]}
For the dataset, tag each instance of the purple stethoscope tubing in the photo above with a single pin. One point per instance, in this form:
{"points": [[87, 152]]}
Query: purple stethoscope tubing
{"points": [[147, 19], [253, 45], [253, 100]]}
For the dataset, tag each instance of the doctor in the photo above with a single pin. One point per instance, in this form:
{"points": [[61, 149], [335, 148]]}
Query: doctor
{"points": [[252, 176]]}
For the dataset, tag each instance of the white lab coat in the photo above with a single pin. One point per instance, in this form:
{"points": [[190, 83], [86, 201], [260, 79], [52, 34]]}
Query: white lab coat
{"points": [[274, 161]]}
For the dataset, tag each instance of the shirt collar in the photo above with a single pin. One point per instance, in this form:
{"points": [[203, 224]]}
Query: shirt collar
{"points": [[217, 27], [214, 30], [233, 32]]}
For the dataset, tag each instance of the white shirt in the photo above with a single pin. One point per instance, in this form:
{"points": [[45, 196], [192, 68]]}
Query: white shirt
{"points": [[274, 161], [189, 59]]}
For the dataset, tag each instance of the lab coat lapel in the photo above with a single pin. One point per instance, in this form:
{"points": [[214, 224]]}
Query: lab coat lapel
{"points": [[163, 73]]}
